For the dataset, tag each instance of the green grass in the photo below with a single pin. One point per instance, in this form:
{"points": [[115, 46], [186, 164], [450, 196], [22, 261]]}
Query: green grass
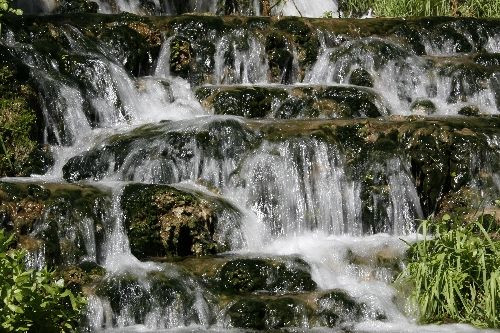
{"points": [[454, 276], [409, 8]]}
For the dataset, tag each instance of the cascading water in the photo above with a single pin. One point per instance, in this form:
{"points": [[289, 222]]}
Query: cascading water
{"points": [[300, 198], [170, 7], [307, 8]]}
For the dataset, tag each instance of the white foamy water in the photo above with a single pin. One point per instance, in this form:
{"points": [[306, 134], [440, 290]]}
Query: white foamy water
{"points": [[307, 8], [402, 78]]}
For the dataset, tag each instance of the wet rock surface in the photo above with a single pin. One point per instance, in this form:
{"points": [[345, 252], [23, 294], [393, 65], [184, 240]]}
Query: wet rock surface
{"points": [[297, 102], [161, 220], [54, 220], [438, 152]]}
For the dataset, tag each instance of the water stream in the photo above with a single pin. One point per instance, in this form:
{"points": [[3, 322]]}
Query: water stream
{"points": [[294, 197]]}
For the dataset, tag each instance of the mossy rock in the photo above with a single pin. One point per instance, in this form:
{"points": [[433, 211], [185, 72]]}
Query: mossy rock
{"points": [[469, 111], [381, 51], [466, 80], [21, 121], [252, 275], [247, 314], [235, 7], [268, 313], [437, 152], [126, 293], [163, 221], [136, 295], [78, 6], [447, 35], [172, 140], [487, 59], [297, 102], [337, 308], [302, 34], [54, 217], [423, 108], [252, 102], [360, 103], [133, 43], [78, 277], [280, 57], [361, 77], [462, 203]]}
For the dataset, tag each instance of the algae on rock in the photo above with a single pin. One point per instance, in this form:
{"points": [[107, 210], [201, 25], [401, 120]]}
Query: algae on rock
{"points": [[20, 126], [163, 221], [54, 219]]}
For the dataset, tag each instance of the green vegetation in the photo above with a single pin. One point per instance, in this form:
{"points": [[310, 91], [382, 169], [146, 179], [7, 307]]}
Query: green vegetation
{"points": [[455, 274], [398, 8], [16, 123], [33, 301], [6, 8]]}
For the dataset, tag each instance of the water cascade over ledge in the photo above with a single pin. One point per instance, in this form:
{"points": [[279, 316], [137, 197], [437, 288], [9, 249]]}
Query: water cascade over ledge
{"points": [[212, 173]]}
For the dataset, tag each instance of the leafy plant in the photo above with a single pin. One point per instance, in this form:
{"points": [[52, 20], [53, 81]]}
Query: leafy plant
{"points": [[328, 14], [6, 8], [33, 301], [455, 274]]}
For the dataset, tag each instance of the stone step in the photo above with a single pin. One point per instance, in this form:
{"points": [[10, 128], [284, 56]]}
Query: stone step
{"points": [[440, 155], [292, 101], [69, 224]]}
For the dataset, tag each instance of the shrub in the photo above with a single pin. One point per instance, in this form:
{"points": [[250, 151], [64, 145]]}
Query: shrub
{"points": [[33, 301], [455, 275]]}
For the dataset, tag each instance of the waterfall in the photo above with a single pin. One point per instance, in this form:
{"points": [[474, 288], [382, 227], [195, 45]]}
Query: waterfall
{"points": [[308, 165], [306, 8]]}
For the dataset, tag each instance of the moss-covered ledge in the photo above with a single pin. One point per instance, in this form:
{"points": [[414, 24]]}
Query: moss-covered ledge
{"points": [[21, 123], [162, 220], [289, 102], [136, 40], [54, 220]]}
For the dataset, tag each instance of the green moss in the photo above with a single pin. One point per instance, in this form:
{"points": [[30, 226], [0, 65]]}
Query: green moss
{"points": [[469, 111], [337, 307], [252, 102], [163, 221], [423, 108], [242, 276], [19, 121], [77, 6], [52, 216], [361, 77]]}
